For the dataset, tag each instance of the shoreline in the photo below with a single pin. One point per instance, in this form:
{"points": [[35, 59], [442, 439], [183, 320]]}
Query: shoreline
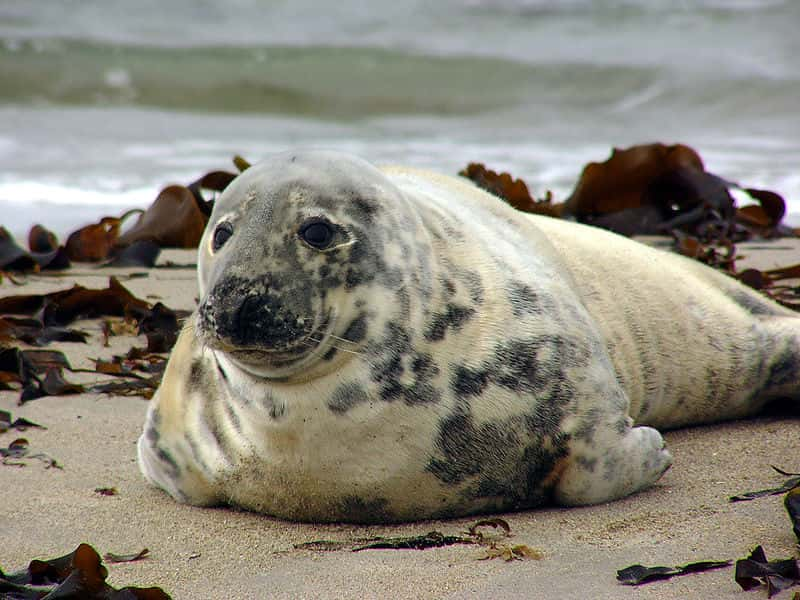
{"points": [[199, 552]]}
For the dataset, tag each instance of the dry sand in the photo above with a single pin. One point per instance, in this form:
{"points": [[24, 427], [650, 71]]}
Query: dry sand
{"points": [[223, 553]]}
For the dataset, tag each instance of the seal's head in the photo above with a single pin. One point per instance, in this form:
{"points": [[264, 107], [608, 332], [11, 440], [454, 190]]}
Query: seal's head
{"points": [[287, 259]]}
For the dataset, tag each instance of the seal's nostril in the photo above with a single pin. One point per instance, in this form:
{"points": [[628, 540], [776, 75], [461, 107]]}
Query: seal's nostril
{"points": [[246, 317]]}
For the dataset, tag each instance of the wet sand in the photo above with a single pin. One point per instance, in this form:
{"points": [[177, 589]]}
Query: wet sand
{"points": [[225, 553]]}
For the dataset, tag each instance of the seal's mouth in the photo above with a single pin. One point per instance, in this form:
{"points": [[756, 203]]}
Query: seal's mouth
{"points": [[265, 361]]}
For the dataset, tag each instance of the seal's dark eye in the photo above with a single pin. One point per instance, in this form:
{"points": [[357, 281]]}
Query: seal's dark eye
{"points": [[222, 234], [318, 234]]}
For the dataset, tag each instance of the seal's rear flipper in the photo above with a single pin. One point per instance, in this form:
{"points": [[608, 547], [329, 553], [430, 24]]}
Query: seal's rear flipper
{"points": [[614, 467]]}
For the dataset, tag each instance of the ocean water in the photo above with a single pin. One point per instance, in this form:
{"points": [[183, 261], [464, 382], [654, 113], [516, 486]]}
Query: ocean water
{"points": [[100, 108]]}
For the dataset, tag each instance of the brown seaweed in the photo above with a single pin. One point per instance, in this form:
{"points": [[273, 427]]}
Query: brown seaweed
{"points": [[94, 243], [36, 333], [639, 574], [173, 220], [141, 253], [20, 423], [79, 575], [788, 485], [41, 239], [160, 326], [53, 384], [492, 544], [15, 258], [513, 191], [78, 302], [777, 575], [792, 504], [119, 558], [19, 450]]}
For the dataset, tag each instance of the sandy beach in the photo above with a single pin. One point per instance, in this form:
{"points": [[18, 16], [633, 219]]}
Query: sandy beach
{"points": [[224, 553]]}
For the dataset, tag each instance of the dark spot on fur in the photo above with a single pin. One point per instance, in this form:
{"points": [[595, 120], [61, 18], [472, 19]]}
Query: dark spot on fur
{"points": [[587, 425], [502, 459], [587, 464], [784, 369], [453, 318], [355, 509], [357, 330], [523, 299], [448, 288], [196, 374], [756, 306], [392, 277], [469, 382], [152, 435], [404, 302], [394, 355], [353, 278], [463, 446], [474, 283], [232, 416], [167, 459], [346, 396]]}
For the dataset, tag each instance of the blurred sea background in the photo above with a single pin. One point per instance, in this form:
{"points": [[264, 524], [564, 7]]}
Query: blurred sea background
{"points": [[103, 103]]}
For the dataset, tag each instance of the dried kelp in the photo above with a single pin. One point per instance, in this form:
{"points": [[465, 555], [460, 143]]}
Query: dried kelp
{"points": [[158, 323], [34, 332], [657, 188], [119, 558], [173, 220], [777, 575], [788, 485], [492, 544], [47, 254], [107, 491], [513, 191], [52, 384], [41, 239], [792, 503], [95, 242], [138, 387], [141, 253], [19, 450], [176, 219], [22, 369], [639, 574], [720, 254], [768, 283], [665, 190], [39, 373], [79, 575], [432, 539], [20, 424], [63, 307], [160, 326]]}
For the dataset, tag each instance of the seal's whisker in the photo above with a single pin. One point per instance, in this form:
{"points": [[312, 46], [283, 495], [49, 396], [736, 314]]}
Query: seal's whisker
{"points": [[356, 352], [336, 337]]}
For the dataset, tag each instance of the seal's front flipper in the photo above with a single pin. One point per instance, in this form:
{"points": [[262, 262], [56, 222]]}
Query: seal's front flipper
{"points": [[615, 466]]}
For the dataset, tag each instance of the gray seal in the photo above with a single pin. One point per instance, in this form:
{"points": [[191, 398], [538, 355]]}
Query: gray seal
{"points": [[381, 345]]}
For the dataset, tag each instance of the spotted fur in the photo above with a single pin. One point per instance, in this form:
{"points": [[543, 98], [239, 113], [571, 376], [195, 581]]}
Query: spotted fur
{"points": [[444, 355]]}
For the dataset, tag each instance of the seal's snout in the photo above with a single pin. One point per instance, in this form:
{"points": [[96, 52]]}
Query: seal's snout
{"points": [[240, 314], [261, 320]]}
